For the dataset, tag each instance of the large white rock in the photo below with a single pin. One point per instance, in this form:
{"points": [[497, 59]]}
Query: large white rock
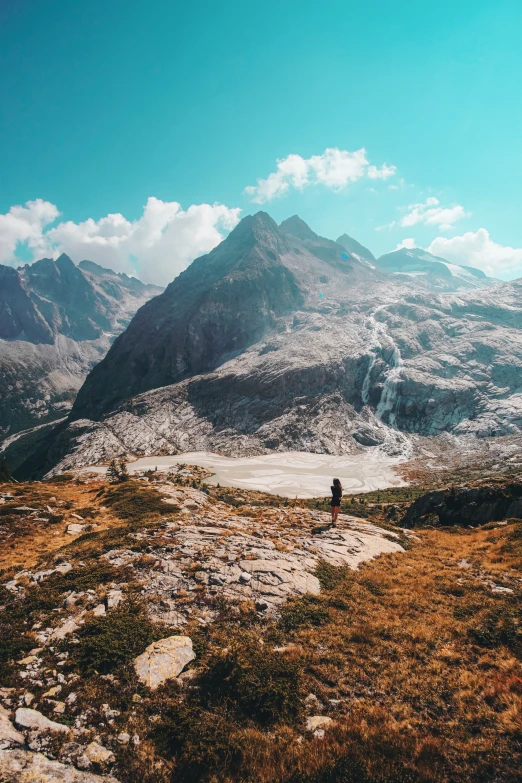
{"points": [[315, 722], [34, 720], [164, 660], [97, 754], [22, 766], [8, 734]]}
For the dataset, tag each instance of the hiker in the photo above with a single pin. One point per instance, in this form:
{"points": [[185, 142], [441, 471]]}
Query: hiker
{"points": [[337, 493]]}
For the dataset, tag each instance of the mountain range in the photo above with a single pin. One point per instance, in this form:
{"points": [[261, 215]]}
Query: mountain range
{"points": [[57, 320], [280, 339]]}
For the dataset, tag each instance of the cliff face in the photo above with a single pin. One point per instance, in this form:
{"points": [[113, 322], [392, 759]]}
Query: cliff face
{"points": [[221, 304], [57, 320]]}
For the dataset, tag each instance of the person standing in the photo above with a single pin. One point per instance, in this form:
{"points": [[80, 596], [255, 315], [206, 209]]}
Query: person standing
{"points": [[335, 503]]}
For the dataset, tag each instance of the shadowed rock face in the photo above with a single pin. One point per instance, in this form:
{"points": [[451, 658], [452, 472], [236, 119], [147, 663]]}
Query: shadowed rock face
{"points": [[472, 506], [57, 320], [353, 246], [222, 303]]}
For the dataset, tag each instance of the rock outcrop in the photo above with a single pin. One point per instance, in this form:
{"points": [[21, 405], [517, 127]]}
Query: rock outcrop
{"points": [[57, 320], [22, 766], [470, 506]]}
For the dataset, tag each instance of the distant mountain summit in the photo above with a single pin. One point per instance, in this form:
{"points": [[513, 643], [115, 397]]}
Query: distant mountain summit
{"points": [[438, 273], [353, 246], [56, 321]]}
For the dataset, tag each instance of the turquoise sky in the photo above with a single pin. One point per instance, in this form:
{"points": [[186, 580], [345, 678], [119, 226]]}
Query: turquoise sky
{"points": [[108, 102]]}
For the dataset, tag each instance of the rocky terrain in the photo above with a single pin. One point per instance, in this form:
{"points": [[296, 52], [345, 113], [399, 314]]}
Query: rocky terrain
{"points": [[282, 340], [159, 630], [434, 272], [57, 320]]}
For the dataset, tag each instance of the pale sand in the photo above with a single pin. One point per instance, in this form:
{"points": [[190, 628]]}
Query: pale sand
{"points": [[290, 474]]}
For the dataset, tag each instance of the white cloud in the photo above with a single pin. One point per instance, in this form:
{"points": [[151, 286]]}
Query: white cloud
{"points": [[430, 213], [408, 243], [335, 169], [383, 173], [25, 224], [477, 249], [156, 247]]}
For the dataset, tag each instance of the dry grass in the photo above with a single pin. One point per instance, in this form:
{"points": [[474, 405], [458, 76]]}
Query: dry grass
{"points": [[415, 657]]}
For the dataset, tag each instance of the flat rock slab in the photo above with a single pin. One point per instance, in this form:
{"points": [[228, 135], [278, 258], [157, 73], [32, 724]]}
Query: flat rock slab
{"points": [[34, 720], [164, 660], [22, 766]]}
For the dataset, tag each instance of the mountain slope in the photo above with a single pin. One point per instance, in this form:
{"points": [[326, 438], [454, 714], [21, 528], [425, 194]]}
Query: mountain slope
{"points": [[271, 342], [355, 247], [436, 273], [221, 304], [57, 320]]}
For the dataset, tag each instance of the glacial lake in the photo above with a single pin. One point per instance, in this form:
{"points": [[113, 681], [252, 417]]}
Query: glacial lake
{"points": [[290, 474]]}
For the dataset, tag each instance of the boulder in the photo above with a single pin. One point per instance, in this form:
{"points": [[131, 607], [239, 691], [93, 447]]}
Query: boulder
{"points": [[97, 754], [34, 720], [164, 660], [315, 722], [8, 734]]}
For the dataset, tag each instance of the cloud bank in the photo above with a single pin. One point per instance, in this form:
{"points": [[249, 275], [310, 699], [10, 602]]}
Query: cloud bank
{"points": [[479, 250], [156, 247], [335, 169]]}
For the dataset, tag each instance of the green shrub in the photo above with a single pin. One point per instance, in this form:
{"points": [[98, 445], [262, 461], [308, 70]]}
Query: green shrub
{"points": [[261, 685], [330, 576], [133, 501], [500, 626], [307, 610], [202, 743], [112, 640]]}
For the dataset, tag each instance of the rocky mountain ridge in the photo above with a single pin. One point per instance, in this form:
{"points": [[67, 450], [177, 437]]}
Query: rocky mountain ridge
{"points": [[281, 340], [57, 320]]}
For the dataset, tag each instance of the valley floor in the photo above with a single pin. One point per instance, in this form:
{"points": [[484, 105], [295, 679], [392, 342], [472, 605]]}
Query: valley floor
{"points": [[291, 474], [407, 669]]}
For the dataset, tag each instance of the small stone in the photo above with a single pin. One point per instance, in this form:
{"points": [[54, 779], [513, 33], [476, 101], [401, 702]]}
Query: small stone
{"points": [[28, 698], [123, 738], [313, 703], [245, 578], [136, 698], [114, 597], [52, 692], [99, 610], [59, 707], [64, 630], [26, 661], [71, 698], [74, 529], [83, 762]]}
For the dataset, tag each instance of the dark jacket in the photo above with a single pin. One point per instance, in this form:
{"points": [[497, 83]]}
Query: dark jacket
{"points": [[337, 494]]}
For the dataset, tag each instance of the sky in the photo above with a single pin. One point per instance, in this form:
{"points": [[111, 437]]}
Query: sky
{"points": [[138, 134]]}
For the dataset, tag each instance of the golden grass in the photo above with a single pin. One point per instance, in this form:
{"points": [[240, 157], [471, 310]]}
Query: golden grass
{"points": [[414, 656]]}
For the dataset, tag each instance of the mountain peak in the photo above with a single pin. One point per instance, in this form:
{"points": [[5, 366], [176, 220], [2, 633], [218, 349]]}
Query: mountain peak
{"points": [[353, 246], [296, 227]]}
